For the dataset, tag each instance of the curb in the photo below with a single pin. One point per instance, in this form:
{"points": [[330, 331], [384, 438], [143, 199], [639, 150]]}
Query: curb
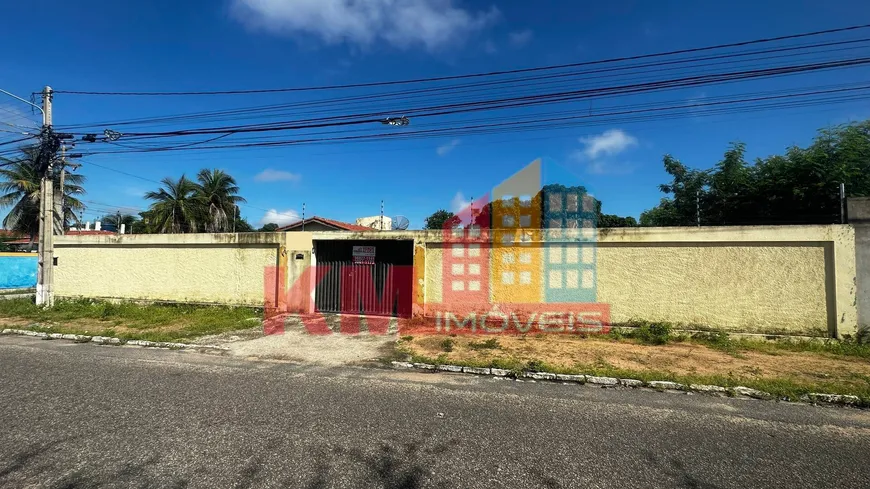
{"points": [[107, 340], [659, 385]]}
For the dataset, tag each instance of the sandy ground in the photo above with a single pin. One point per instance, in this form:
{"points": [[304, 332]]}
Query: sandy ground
{"points": [[677, 358], [295, 345]]}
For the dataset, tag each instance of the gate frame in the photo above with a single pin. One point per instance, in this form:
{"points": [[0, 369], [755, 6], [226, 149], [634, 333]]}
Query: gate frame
{"points": [[412, 238]]}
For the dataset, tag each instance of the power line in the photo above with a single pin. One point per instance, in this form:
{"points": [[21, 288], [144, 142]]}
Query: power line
{"points": [[16, 141], [474, 75], [535, 121], [513, 102], [440, 91]]}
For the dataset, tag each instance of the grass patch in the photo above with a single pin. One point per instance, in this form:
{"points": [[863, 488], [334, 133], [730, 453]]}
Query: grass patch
{"points": [[447, 344], [650, 333], [645, 332], [779, 387], [721, 341], [156, 322], [784, 368], [490, 344]]}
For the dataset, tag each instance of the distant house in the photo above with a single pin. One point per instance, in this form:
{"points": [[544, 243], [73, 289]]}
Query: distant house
{"points": [[14, 239], [322, 224], [25, 244], [6, 234]]}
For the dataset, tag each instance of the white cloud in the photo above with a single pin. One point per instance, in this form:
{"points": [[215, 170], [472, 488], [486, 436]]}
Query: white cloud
{"points": [[521, 38], [598, 150], [459, 202], [282, 218], [610, 142], [447, 147], [432, 24], [270, 175]]}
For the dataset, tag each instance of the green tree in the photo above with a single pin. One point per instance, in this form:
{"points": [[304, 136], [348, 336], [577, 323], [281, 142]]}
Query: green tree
{"points": [[176, 209], [269, 228], [798, 187], [217, 193], [243, 226], [19, 191], [437, 219], [614, 221], [129, 221], [664, 214]]}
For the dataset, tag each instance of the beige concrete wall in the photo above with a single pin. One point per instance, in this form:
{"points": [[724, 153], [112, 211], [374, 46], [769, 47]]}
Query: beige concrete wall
{"points": [[794, 279], [791, 279], [207, 268]]}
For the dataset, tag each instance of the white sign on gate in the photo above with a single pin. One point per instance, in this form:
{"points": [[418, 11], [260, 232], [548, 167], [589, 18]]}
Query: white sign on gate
{"points": [[363, 255]]}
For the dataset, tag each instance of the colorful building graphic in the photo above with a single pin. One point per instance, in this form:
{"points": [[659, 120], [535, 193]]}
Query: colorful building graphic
{"points": [[570, 222], [465, 265], [529, 245], [516, 222]]}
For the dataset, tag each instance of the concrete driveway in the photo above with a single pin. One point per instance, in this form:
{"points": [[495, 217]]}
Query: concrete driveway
{"points": [[82, 415]]}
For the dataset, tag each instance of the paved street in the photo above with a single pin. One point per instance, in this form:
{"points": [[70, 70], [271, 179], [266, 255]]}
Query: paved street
{"points": [[82, 415]]}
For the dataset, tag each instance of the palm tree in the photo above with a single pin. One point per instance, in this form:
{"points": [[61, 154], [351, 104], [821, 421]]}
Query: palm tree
{"points": [[218, 193], [19, 189], [176, 207], [128, 220]]}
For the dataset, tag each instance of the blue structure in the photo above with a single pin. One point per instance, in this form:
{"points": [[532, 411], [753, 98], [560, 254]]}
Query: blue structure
{"points": [[569, 218], [17, 270]]}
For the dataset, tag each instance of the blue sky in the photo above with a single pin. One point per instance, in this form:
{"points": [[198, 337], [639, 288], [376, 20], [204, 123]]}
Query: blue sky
{"points": [[197, 45]]}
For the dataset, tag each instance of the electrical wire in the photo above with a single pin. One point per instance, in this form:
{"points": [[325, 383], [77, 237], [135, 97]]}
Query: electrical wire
{"points": [[475, 75], [513, 102], [393, 97], [464, 130]]}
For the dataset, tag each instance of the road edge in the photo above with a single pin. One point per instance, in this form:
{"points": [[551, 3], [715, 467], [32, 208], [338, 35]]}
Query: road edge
{"points": [[109, 340], [660, 385]]}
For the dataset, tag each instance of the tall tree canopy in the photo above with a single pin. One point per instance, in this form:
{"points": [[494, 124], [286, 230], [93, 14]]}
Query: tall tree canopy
{"points": [[19, 192], [208, 205], [218, 193], [268, 228], [437, 219], [176, 208], [798, 187]]}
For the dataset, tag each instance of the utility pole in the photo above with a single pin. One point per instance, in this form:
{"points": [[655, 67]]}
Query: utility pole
{"points": [[45, 272], [698, 206]]}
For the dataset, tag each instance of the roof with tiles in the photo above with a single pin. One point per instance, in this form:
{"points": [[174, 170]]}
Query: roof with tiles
{"points": [[339, 225]]}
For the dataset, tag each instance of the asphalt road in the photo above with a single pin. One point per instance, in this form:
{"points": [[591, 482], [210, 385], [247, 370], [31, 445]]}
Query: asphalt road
{"points": [[82, 415]]}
